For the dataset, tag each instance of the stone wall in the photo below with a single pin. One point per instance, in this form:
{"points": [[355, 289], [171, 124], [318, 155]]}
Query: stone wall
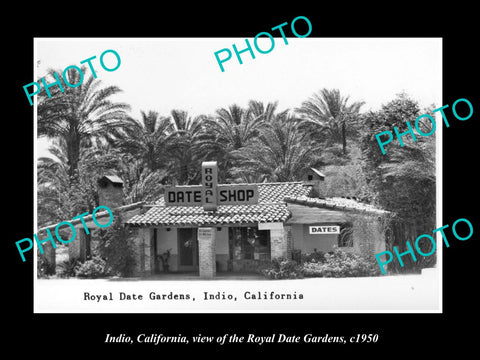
{"points": [[206, 253], [279, 240], [143, 251]]}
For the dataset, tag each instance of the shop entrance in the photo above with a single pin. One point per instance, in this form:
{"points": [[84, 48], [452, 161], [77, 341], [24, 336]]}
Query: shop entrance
{"points": [[249, 248], [187, 249]]}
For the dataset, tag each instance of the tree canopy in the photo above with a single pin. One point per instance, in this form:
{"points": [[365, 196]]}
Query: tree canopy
{"points": [[93, 135]]}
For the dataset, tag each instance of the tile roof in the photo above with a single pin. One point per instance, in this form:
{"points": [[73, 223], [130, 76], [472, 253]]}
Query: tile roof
{"points": [[270, 208], [302, 214], [336, 203]]}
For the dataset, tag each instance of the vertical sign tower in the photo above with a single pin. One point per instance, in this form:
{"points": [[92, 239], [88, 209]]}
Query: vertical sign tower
{"points": [[209, 183], [206, 236]]}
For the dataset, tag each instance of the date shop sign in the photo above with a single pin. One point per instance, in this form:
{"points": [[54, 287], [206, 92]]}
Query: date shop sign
{"points": [[210, 194], [324, 230]]}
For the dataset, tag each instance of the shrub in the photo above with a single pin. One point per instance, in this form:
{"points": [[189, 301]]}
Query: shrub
{"points": [[282, 269], [92, 269], [316, 256], [116, 248], [68, 268], [339, 263], [44, 268]]}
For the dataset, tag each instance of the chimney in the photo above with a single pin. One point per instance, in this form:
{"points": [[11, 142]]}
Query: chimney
{"points": [[314, 178], [110, 191]]}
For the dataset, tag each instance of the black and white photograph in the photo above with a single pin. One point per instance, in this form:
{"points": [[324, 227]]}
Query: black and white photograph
{"points": [[238, 187], [294, 180]]}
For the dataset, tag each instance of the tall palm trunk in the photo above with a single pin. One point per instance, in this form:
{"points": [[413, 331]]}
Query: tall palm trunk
{"points": [[73, 155]]}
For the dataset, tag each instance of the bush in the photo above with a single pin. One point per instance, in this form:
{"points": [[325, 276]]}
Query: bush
{"points": [[282, 269], [44, 268], [92, 269], [316, 256], [116, 249], [339, 263], [68, 268]]}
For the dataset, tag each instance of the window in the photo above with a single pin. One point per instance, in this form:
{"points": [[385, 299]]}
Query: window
{"points": [[310, 177]]}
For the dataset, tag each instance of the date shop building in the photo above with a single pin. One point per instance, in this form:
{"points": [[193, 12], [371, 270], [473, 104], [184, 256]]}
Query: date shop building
{"points": [[212, 228]]}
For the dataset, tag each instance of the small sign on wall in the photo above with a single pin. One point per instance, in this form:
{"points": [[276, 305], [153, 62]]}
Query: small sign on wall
{"points": [[204, 234], [322, 230]]}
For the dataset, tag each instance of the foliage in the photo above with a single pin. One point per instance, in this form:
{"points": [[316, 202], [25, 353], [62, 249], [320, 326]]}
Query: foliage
{"points": [[44, 268], [146, 139], [339, 263], [316, 256], [115, 248], [232, 129], [79, 115], [282, 268], [398, 232], [347, 180], [258, 110], [140, 183], [68, 268], [94, 136], [94, 268], [276, 155], [60, 195], [184, 148], [403, 180], [327, 115]]}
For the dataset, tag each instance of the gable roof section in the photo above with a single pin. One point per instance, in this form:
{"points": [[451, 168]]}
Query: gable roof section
{"points": [[302, 214], [336, 203], [271, 207], [318, 173], [114, 179]]}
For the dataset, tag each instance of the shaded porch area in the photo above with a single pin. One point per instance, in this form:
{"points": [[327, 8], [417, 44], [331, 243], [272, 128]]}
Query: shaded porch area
{"points": [[223, 251]]}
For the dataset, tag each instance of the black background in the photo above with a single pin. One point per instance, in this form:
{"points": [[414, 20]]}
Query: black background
{"points": [[83, 334]]}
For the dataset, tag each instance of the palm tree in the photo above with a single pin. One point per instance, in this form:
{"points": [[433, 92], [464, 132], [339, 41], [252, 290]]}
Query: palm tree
{"points": [[185, 147], [281, 152], [80, 114], [53, 184], [327, 112], [230, 130], [139, 182], [258, 110], [61, 195], [146, 139]]}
